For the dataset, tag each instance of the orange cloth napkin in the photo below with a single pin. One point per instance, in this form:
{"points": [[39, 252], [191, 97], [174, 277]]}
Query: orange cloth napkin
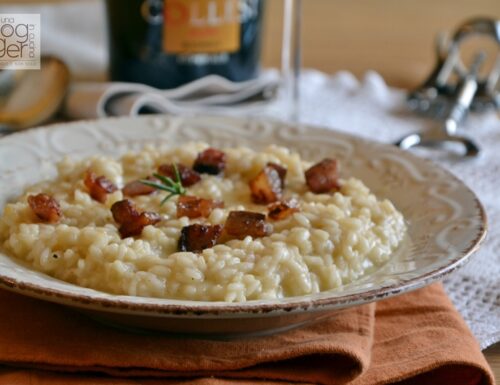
{"points": [[417, 338]]}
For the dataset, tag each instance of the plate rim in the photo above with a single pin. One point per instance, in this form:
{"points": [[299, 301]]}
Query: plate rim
{"points": [[184, 308]]}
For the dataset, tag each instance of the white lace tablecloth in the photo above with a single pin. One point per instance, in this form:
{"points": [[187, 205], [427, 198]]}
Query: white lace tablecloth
{"points": [[373, 110]]}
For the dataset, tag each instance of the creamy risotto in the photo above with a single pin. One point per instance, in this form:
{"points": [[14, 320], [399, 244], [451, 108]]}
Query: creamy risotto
{"points": [[321, 242]]}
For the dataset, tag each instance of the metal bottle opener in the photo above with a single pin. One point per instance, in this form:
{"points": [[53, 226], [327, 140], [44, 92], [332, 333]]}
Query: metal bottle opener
{"points": [[448, 132], [439, 97]]}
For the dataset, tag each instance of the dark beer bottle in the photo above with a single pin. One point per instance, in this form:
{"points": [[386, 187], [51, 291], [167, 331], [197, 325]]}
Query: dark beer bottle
{"points": [[167, 43]]}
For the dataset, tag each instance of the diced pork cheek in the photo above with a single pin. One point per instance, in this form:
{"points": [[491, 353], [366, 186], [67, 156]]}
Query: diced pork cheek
{"points": [[323, 176], [45, 207], [198, 237], [135, 227], [124, 211], [240, 224], [130, 220], [283, 209], [188, 176], [211, 161], [194, 207], [266, 187], [99, 187], [136, 188]]}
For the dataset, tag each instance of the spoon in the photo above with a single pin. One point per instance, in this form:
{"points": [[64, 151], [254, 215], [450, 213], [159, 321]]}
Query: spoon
{"points": [[447, 133]]}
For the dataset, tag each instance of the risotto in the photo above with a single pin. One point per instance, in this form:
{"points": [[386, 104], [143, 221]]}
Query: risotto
{"points": [[321, 241]]}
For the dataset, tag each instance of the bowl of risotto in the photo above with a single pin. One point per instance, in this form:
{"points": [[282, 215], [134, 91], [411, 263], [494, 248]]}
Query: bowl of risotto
{"points": [[223, 226]]}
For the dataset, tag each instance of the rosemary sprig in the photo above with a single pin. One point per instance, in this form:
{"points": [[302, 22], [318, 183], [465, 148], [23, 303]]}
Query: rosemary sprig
{"points": [[167, 184]]}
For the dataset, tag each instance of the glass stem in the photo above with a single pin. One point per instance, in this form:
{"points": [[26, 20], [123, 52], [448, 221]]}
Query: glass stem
{"points": [[291, 55], [297, 52]]}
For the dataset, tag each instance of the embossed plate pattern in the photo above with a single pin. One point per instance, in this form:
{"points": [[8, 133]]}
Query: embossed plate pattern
{"points": [[446, 222]]}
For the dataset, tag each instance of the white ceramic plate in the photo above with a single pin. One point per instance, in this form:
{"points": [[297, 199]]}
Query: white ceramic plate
{"points": [[446, 222]]}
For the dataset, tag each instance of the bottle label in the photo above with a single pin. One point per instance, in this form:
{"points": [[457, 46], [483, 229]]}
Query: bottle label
{"points": [[201, 26]]}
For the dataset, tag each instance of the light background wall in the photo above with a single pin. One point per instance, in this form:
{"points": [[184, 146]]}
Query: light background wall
{"points": [[394, 37]]}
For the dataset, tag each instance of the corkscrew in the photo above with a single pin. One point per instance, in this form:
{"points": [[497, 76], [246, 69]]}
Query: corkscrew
{"points": [[448, 132], [441, 97]]}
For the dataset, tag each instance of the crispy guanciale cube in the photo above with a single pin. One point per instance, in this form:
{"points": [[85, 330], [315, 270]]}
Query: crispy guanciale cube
{"points": [[99, 187], [281, 171], [134, 227], [136, 188], [45, 207], [198, 237], [210, 161], [266, 186], [194, 207], [131, 221], [282, 209], [124, 211], [188, 176], [323, 176], [240, 224]]}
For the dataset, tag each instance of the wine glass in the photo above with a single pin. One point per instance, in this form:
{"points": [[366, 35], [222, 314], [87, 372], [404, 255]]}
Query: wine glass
{"points": [[291, 55]]}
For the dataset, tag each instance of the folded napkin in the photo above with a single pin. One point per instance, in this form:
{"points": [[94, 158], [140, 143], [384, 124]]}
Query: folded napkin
{"points": [[212, 93], [417, 338]]}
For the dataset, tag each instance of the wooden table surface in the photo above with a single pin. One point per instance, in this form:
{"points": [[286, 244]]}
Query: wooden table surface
{"points": [[492, 355]]}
